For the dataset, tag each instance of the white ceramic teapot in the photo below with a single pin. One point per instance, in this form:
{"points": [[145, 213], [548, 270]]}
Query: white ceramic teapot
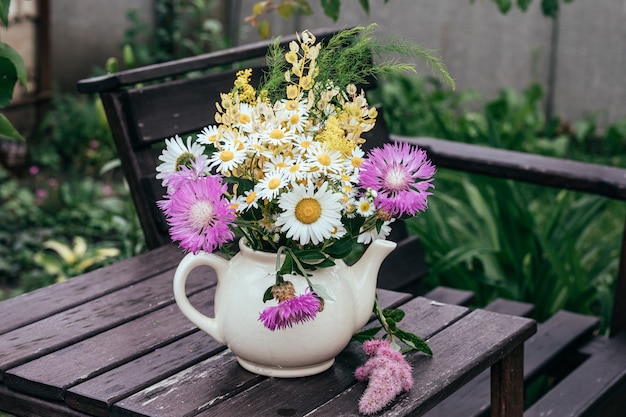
{"points": [[304, 349]]}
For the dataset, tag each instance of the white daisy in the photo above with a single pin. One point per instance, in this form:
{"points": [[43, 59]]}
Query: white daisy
{"points": [[298, 172], [228, 157], [246, 118], [324, 159], [365, 207], [309, 216], [208, 136], [353, 163], [175, 155], [249, 199], [271, 184], [371, 235], [279, 161], [303, 143]]}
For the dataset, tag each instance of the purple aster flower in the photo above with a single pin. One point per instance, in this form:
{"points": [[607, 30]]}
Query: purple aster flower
{"points": [[291, 311], [401, 175], [388, 373], [199, 167], [198, 214]]}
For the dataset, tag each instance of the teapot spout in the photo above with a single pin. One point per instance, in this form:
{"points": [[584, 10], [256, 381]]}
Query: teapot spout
{"points": [[366, 273]]}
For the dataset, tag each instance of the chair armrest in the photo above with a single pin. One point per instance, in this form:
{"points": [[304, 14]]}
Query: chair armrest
{"points": [[543, 170]]}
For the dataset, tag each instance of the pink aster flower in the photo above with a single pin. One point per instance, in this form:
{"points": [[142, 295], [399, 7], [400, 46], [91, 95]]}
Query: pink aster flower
{"points": [[401, 175], [388, 373], [198, 214], [199, 167], [291, 311]]}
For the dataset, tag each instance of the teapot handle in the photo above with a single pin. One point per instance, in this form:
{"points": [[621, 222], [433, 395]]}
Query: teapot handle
{"points": [[186, 265]]}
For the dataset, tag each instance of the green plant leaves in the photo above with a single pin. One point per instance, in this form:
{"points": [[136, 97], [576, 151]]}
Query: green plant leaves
{"points": [[7, 131], [4, 12], [331, 8], [12, 68]]}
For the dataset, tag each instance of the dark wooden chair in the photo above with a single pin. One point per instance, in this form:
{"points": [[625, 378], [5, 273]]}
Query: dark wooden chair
{"points": [[144, 106]]}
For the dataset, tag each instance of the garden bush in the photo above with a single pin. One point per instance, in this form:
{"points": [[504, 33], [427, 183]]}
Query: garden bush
{"points": [[498, 238]]}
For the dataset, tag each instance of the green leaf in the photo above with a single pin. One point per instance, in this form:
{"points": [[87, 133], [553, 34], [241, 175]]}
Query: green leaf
{"points": [[8, 78], [395, 315], [415, 342], [4, 12], [340, 248], [268, 294], [285, 10], [7, 131], [365, 335], [12, 55], [503, 5], [264, 29], [523, 4], [304, 8], [365, 4], [288, 265], [331, 8], [550, 7]]}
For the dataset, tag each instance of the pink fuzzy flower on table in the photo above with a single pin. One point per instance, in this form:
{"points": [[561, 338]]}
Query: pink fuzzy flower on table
{"points": [[198, 214], [291, 311], [388, 373], [401, 175]]}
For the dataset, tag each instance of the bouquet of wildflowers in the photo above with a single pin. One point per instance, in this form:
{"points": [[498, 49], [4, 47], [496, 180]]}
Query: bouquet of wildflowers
{"points": [[284, 168]]}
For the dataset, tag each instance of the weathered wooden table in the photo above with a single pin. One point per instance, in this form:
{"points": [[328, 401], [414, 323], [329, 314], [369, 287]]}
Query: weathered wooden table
{"points": [[113, 343]]}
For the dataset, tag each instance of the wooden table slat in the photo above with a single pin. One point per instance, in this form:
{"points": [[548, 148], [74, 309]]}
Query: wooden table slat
{"points": [[24, 405], [97, 395], [50, 375], [195, 394], [73, 325], [27, 308]]}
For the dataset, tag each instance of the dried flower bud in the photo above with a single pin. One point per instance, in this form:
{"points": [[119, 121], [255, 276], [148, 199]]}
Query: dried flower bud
{"points": [[283, 291], [383, 214]]}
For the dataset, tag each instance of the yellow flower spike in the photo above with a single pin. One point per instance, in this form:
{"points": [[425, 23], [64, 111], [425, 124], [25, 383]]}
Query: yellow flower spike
{"points": [[306, 82], [292, 91], [291, 57]]}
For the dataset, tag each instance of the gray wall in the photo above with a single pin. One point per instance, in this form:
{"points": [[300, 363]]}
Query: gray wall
{"points": [[85, 33], [483, 49], [486, 51]]}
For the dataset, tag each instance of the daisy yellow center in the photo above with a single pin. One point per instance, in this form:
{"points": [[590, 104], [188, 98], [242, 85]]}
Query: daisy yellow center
{"points": [[396, 179], [273, 183], [323, 159], [364, 206], [356, 162], [305, 143], [250, 197], [277, 134], [226, 156], [201, 215], [244, 118], [294, 168], [185, 159], [291, 105], [308, 210], [294, 119]]}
